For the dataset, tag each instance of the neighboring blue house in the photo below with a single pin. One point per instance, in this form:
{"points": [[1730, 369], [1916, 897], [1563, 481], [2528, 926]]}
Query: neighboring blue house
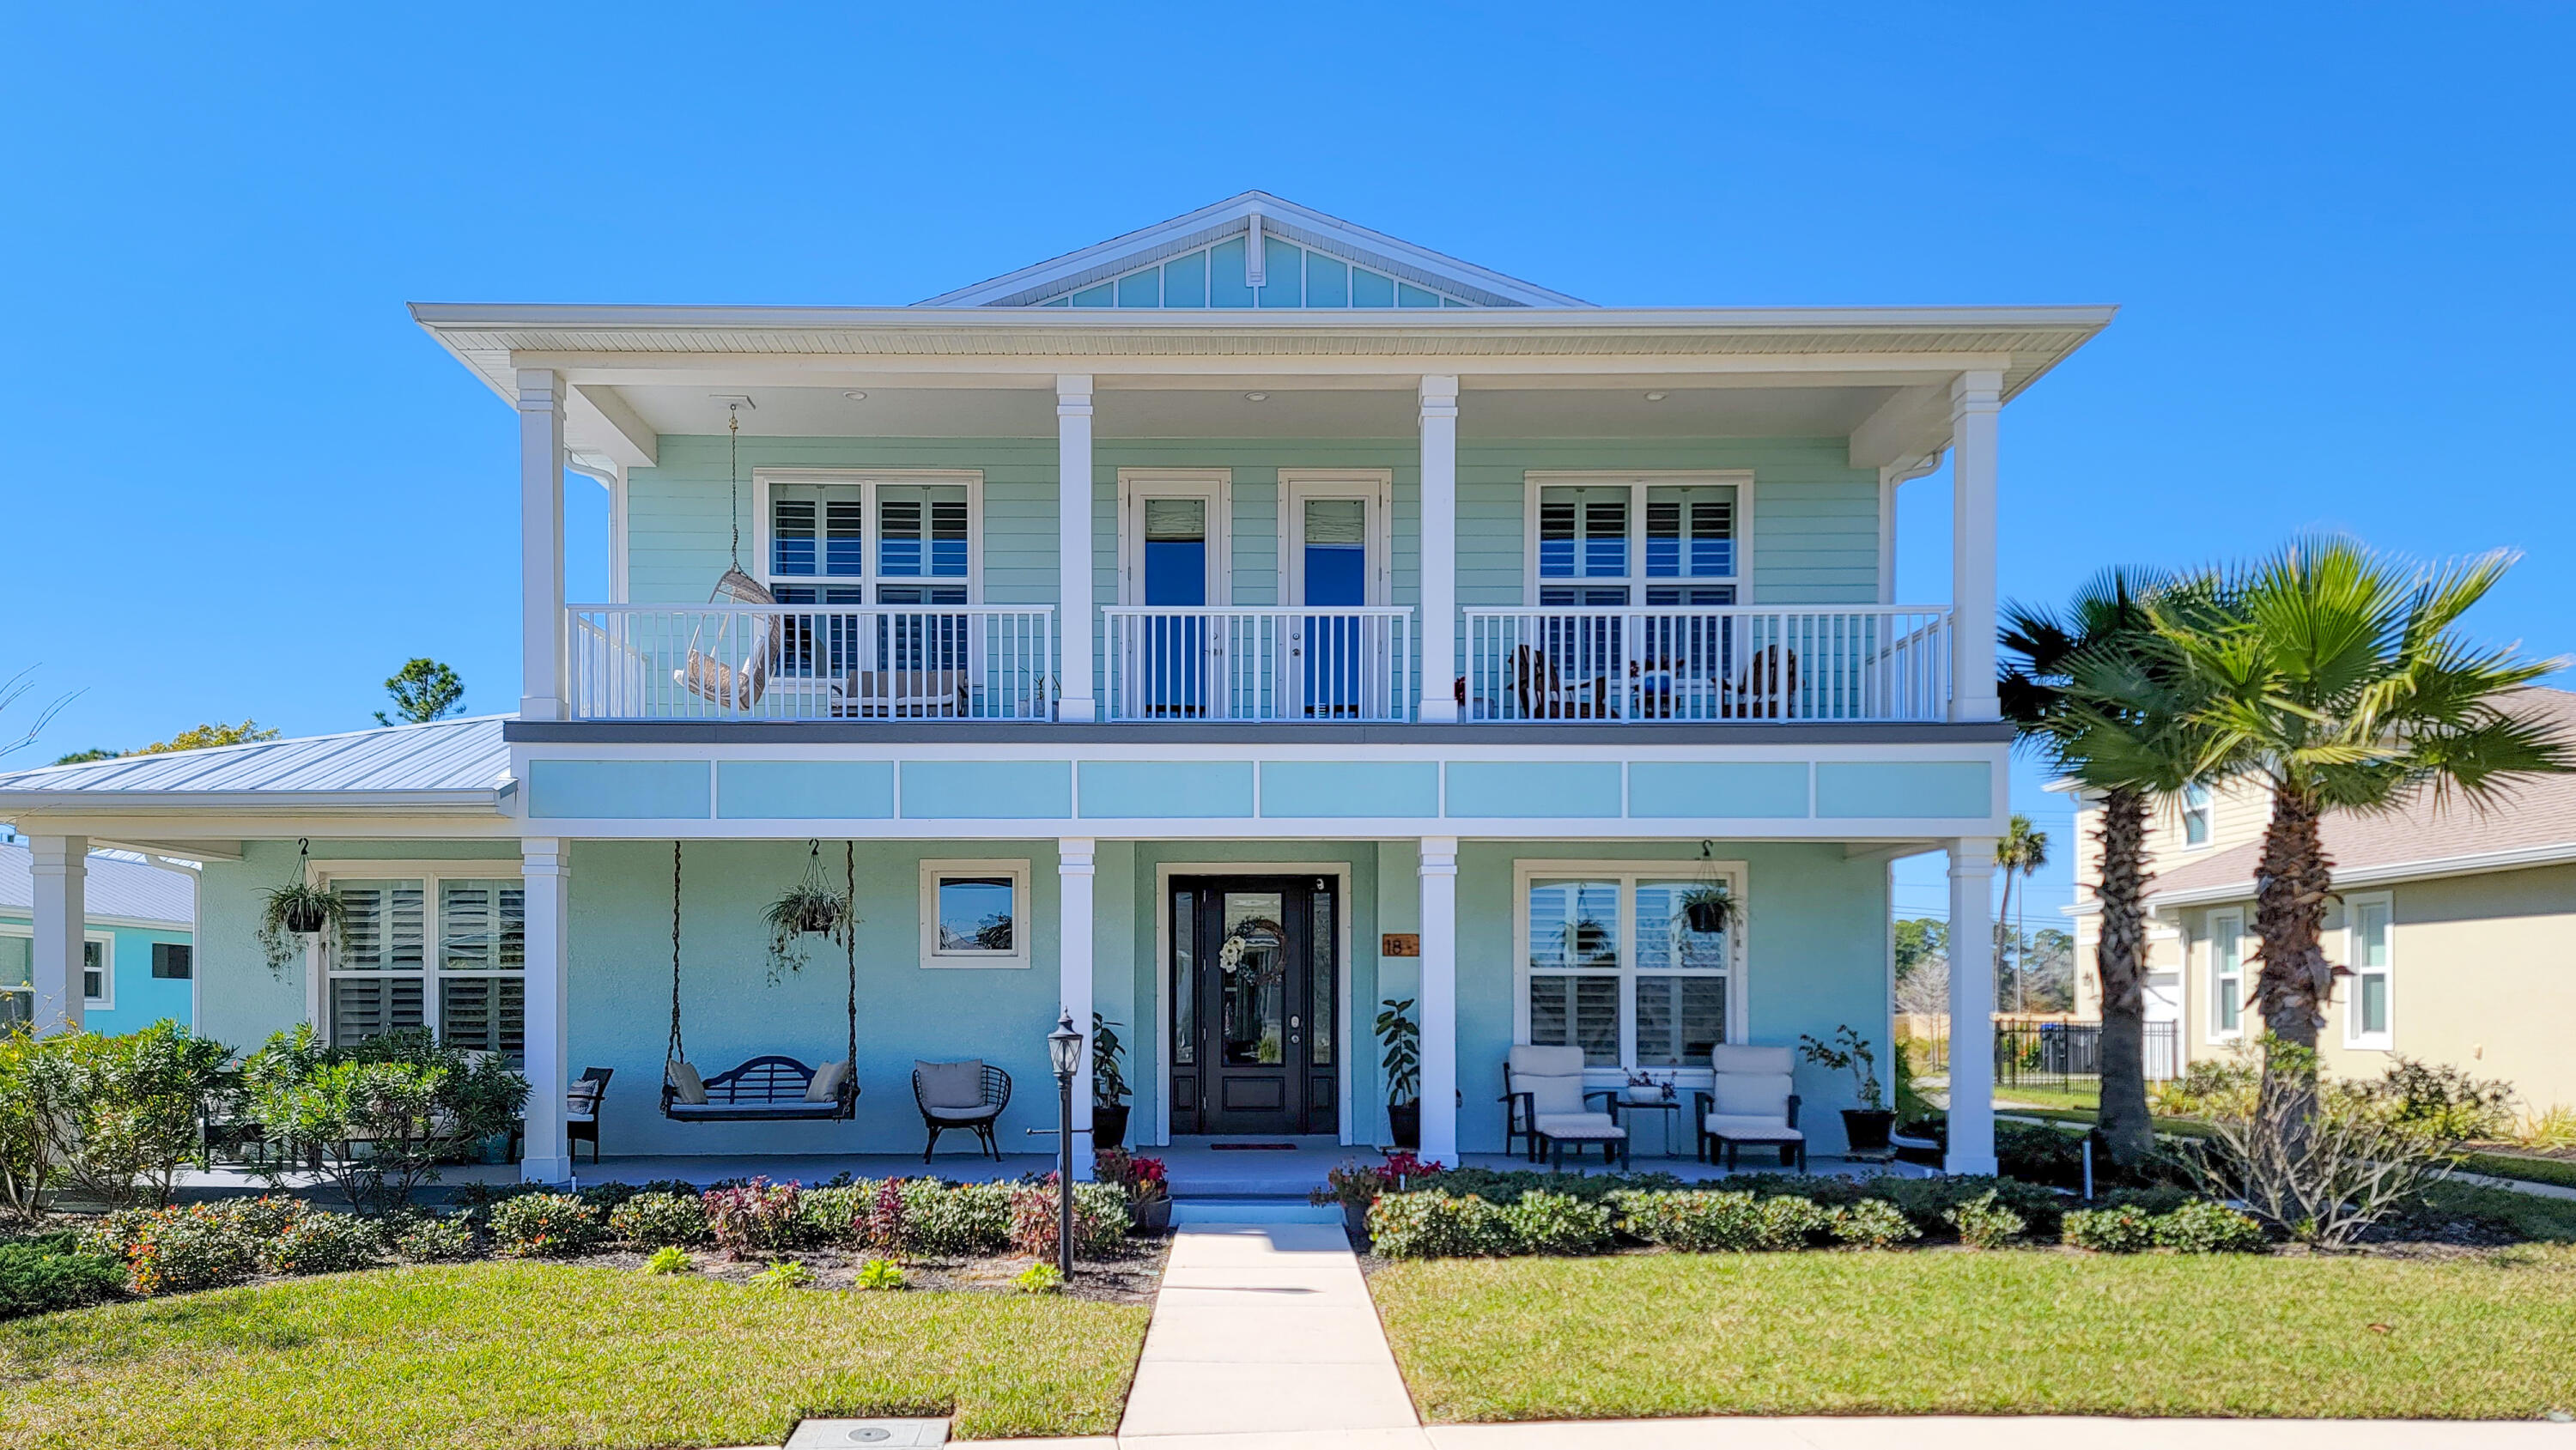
{"points": [[1225, 627], [137, 953]]}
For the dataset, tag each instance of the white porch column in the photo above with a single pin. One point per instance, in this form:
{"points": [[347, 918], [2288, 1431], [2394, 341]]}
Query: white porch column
{"points": [[546, 867], [541, 544], [1073, 863], [1975, 400], [1439, 549], [1972, 1006], [1440, 999], [1076, 619], [61, 868]]}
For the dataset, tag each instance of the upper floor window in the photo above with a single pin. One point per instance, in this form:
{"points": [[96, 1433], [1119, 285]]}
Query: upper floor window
{"points": [[2195, 815], [870, 541], [1635, 541]]}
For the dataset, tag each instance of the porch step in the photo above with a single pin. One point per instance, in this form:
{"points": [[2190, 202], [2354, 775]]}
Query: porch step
{"points": [[1253, 1210]]}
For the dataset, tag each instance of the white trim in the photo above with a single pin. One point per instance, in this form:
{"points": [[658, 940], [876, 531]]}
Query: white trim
{"points": [[1164, 871], [1638, 482], [2206, 809], [1736, 875], [106, 961], [932, 957], [2384, 1040], [1373, 486], [1215, 486], [2235, 994], [867, 480], [319, 973]]}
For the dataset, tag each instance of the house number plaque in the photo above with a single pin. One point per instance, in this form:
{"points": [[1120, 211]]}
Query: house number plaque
{"points": [[1399, 944]]}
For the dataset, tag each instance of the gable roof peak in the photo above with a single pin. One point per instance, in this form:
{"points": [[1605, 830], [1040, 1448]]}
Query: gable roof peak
{"points": [[1243, 215]]}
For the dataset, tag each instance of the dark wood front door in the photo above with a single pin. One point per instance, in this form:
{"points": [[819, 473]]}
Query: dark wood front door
{"points": [[1254, 985]]}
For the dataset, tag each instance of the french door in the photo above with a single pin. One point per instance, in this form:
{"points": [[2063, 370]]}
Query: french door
{"points": [[1255, 979]]}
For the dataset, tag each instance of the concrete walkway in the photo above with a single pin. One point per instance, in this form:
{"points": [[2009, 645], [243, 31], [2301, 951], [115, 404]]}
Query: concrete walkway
{"points": [[1265, 1329], [1876, 1432]]}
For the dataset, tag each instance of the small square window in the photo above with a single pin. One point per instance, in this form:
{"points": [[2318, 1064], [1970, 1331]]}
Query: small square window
{"points": [[173, 961], [974, 913]]}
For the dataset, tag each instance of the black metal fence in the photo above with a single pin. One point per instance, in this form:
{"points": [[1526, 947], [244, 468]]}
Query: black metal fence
{"points": [[2056, 1054]]}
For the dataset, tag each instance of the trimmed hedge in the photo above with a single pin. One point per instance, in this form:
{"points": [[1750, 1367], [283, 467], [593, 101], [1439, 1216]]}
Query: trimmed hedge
{"points": [[659, 1220], [546, 1226], [2196, 1227], [38, 1276]]}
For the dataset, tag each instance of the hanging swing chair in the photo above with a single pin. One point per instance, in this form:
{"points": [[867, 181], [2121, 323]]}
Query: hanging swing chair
{"points": [[713, 676], [769, 1089]]}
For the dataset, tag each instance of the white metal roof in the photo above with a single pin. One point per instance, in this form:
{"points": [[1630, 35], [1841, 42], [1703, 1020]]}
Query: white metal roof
{"points": [[454, 763], [117, 889]]}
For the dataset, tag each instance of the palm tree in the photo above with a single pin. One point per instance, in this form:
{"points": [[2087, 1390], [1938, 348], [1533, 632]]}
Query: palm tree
{"points": [[2106, 701], [2338, 678], [2021, 851]]}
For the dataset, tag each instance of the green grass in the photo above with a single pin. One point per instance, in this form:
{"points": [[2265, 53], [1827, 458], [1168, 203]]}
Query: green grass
{"points": [[2529, 1169], [2014, 1332], [2083, 1099], [2552, 1220], [520, 1355]]}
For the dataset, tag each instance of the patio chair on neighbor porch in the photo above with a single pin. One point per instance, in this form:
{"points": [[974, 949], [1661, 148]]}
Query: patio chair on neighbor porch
{"points": [[969, 1095], [1545, 1102], [581, 1115], [1749, 1102]]}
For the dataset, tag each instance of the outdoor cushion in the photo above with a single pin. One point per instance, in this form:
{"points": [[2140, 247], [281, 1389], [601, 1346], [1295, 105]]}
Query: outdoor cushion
{"points": [[827, 1082], [1751, 1095], [1552, 1076], [1579, 1125], [1752, 1130], [951, 1086], [971, 1115], [1730, 1057], [686, 1086]]}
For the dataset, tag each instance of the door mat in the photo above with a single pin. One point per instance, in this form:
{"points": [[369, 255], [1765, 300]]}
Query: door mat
{"points": [[1253, 1147]]}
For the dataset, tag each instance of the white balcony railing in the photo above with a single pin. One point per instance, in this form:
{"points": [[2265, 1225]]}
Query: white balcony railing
{"points": [[1735, 663], [1172, 663], [811, 662]]}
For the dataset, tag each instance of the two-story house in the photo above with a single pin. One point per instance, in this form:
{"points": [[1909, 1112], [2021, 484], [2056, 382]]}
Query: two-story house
{"points": [[2457, 925], [1226, 628]]}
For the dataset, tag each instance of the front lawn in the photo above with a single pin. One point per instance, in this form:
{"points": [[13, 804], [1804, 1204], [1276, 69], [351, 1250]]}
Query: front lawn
{"points": [[492, 1355], [2013, 1332]]}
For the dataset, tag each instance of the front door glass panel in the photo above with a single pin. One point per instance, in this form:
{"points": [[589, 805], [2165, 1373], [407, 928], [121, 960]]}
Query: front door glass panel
{"points": [[1255, 980], [1253, 965]]}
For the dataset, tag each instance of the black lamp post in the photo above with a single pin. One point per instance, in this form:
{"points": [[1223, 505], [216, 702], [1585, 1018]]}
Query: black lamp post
{"points": [[1064, 1048]]}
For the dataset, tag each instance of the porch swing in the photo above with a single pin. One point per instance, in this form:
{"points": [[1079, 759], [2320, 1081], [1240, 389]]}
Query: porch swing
{"points": [[734, 686], [769, 1089]]}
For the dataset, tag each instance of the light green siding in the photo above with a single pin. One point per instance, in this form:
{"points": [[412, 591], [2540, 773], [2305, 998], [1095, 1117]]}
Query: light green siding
{"points": [[804, 789], [1495, 789], [1166, 789], [1863, 789]]}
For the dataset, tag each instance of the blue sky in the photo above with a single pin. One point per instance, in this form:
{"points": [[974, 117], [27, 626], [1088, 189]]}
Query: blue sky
{"points": [[240, 483]]}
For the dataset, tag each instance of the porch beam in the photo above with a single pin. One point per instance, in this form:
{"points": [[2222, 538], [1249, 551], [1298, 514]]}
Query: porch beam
{"points": [[601, 416], [1073, 869], [1076, 618], [546, 869], [61, 869], [1972, 1006], [541, 543], [1439, 419], [1975, 401], [1439, 998]]}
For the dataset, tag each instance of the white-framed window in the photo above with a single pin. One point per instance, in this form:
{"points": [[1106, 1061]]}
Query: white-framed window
{"points": [[899, 538], [1658, 540], [2195, 815], [1333, 533], [1607, 959], [18, 973], [2370, 940], [975, 913], [98, 970], [1175, 537], [427, 945], [2226, 975]]}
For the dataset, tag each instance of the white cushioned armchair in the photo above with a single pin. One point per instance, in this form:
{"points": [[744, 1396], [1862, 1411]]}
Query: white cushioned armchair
{"points": [[1544, 1100], [1749, 1101]]}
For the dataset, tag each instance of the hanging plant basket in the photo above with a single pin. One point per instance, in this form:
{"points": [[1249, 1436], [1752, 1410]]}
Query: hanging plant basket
{"points": [[1707, 911], [295, 912], [809, 908]]}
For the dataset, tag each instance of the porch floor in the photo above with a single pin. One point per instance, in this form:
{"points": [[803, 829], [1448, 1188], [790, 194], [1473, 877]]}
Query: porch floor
{"points": [[1197, 1170]]}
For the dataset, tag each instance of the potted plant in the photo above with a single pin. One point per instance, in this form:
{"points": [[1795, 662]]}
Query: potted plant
{"points": [[1645, 1087], [1402, 1063], [299, 908], [1147, 1183], [1707, 909], [809, 908], [1109, 1089], [1866, 1127]]}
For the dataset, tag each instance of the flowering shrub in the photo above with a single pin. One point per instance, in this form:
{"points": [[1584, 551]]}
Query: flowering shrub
{"points": [[1556, 1223], [1432, 1224], [831, 1216], [264, 1218], [1871, 1224], [1357, 1185], [2126, 1229], [1984, 1223], [753, 1217], [546, 1226], [882, 1230], [322, 1243], [1142, 1179], [2210, 1228], [428, 1240], [657, 1220], [955, 1220], [1700, 1221], [1100, 1219], [178, 1250]]}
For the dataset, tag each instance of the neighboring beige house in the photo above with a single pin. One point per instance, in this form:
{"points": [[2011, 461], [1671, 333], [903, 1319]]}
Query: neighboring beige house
{"points": [[2459, 928]]}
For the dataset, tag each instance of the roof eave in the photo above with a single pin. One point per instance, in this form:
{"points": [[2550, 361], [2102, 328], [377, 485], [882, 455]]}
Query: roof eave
{"points": [[2387, 874], [108, 803]]}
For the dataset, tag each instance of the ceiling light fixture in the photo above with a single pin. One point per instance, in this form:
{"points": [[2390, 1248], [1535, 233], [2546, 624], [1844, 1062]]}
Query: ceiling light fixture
{"points": [[856, 395], [1657, 397], [1256, 397]]}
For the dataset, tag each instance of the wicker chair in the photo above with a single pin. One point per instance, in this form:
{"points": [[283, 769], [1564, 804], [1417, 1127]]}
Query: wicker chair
{"points": [[939, 1089]]}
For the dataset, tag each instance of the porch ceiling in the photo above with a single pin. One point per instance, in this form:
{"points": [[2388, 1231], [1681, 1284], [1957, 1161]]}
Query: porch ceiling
{"points": [[1291, 408]]}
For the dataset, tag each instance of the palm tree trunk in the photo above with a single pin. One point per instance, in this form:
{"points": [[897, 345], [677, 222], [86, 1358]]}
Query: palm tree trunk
{"points": [[2120, 960], [2292, 880]]}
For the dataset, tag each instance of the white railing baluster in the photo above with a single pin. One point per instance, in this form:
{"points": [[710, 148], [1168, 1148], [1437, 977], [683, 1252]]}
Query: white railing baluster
{"points": [[811, 662], [1320, 663], [1716, 663]]}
